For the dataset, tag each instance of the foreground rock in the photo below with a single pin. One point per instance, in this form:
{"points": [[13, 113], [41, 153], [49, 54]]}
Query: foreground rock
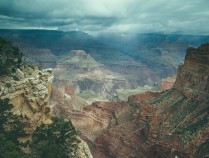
{"points": [[29, 91], [174, 123]]}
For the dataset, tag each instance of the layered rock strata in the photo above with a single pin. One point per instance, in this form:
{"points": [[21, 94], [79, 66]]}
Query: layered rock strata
{"points": [[173, 123], [192, 78], [29, 91]]}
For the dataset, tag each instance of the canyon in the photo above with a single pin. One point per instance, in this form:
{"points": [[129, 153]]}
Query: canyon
{"points": [[143, 58], [173, 123], [96, 84], [107, 67], [79, 75]]}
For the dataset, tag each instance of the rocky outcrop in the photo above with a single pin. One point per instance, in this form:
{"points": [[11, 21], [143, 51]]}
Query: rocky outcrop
{"points": [[29, 91], [173, 123], [192, 79], [106, 126], [97, 118], [86, 77], [63, 93], [167, 83], [83, 150]]}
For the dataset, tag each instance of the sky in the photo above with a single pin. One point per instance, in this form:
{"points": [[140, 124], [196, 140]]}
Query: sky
{"points": [[100, 16]]}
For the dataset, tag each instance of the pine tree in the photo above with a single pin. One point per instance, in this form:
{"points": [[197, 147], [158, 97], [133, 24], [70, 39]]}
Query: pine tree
{"points": [[10, 57]]}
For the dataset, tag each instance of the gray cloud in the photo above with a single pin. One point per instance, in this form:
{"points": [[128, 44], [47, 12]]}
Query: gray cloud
{"points": [[95, 16]]}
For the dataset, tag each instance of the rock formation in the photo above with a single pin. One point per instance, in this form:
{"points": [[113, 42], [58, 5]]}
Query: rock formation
{"points": [[29, 90], [192, 79], [64, 93], [167, 83], [173, 123], [86, 78]]}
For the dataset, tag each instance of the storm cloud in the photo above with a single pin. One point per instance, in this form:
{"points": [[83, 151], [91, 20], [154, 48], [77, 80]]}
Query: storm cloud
{"points": [[94, 16]]}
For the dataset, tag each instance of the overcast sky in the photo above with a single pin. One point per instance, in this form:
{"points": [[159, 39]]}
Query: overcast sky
{"points": [[94, 16]]}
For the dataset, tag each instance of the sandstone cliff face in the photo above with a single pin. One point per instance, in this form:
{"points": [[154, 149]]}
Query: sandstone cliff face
{"points": [[174, 123], [29, 91]]}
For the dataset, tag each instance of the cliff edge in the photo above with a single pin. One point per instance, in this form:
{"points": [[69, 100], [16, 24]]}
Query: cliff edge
{"points": [[192, 79], [173, 123], [29, 90]]}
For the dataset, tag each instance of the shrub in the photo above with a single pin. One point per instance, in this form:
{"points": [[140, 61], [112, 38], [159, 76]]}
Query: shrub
{"points": [[10, 130], [10, 57], [8, 85], [16, 78], [57, 139]]}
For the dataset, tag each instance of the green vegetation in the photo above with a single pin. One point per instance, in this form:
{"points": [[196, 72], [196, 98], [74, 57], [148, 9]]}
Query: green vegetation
{"points": [[88, 96], [193, 128], [10, 130], [162, 97], [194, 125], [186, 108], [174, 105], [203, 150], [123, 94], [15, 78], [56, 140], [8, 85], [10, 57]]}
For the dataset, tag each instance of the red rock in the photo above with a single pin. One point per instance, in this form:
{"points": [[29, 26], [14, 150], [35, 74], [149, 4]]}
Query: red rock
{"points": [[167, 83], [156, 125], [69, 90]]}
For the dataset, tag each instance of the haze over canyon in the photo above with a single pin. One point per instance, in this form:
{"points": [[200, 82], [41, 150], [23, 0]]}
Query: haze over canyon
{"points": [[104, 79], [103, 85]]}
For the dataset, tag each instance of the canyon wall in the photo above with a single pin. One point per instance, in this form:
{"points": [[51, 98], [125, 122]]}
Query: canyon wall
{"points": [[192, 78], [29, 91], [173, 123]]}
